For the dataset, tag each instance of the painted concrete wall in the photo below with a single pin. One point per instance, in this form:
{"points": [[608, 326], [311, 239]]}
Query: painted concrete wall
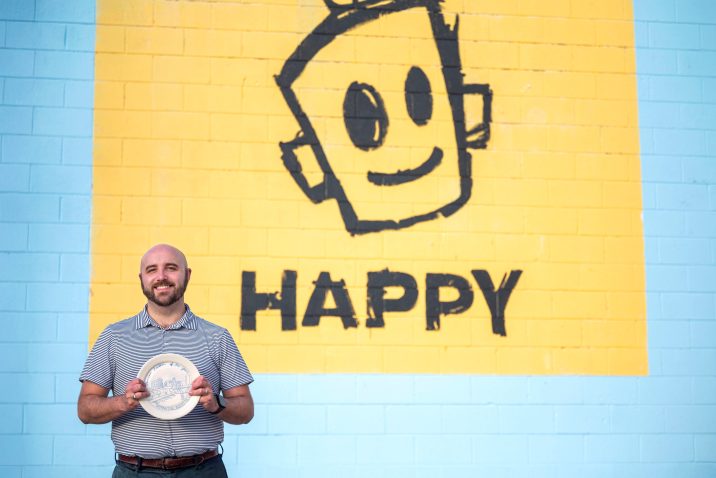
{"points": [[127, 123]]}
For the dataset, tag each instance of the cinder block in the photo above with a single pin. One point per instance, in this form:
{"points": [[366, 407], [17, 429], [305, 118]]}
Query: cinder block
{"points": [[556, 448], [17, 10], [326, 449], [93, 450], [66, 385], [662, 114], [442, 449], [76, 267], [57, 297], [52, 419], [29, 208], [555, 390], [59, 11], [331, 389], [32, 328], [62, 121], [80, 37], [526, 418], [35, 35], [61, 179], [355, 419], [611, 448], [131, 12], [33, 92], [14, 356], [694, 362], [189, 69], [75, 209], [683, 197], [12, 418], [275, 388], [26, 450], [412, 419], [14, 177], [155, 40], [59, 238], [697, 63], [702, 333], [669, 333], [385, 449], [14, 238], [656, 62], [702, 278], [694, 11], [638, 419], [582, 419], [663, 10], [691, 419], [698, 116], [674, 89], [79, 94], [11, 471], [683, 250], [667, 448], [31, 149], [15, 119], [293, 419], [674, 36], [705, 447], [57, 357], [72, 327], [610, 390], [17, 63], [64, 64], [267, 450], [385, 389], [466, 419]]}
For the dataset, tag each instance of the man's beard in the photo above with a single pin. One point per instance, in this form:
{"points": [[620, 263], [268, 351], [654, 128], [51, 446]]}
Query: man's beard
{"points": [[167, 300]]}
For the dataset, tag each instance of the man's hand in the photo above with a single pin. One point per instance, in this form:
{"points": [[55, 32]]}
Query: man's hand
{"points": [[135, 391], [239, 403], [202, 388], [95, 406]]}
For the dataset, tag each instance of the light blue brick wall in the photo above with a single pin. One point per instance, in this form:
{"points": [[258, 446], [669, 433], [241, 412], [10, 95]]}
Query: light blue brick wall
{"points": [[46, 66], [662, 425]]}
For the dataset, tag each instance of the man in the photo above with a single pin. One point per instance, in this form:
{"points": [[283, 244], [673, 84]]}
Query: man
{"points": [[145, 445]]}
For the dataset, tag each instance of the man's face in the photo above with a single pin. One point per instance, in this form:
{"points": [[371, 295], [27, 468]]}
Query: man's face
{"points": [[164, 275]]}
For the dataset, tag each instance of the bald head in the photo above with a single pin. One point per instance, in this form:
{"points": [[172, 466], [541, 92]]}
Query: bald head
{"points": [[164, 275], [165, 251]]}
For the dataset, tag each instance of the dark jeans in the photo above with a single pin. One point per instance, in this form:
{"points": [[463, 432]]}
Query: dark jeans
{"points": [[213, 468]]}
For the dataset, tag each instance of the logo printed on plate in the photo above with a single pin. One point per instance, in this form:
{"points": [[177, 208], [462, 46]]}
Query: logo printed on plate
{"points": [[169, 384], [168, 378]]}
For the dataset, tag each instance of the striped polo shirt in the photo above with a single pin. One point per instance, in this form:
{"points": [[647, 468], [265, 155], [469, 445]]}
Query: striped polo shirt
{"points": [[121, 350]]}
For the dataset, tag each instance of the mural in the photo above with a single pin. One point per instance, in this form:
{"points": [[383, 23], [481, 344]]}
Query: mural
{"points": [[403, 186], [366, 117]]}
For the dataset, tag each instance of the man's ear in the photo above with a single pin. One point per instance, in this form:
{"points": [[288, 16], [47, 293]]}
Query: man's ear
{"points": [[188, 274]]}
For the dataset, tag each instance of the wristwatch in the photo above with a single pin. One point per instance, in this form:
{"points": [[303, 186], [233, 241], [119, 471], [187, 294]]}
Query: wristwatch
{"points": [[222, 403]]}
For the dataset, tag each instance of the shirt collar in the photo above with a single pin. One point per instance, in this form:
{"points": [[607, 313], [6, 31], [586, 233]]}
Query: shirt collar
{"points": [[188, 320]]}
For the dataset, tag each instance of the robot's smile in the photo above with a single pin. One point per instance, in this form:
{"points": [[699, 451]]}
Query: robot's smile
{"points": [[407, 175]]}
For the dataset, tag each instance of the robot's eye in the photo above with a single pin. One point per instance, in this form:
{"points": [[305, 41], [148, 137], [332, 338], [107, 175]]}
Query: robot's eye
{"points": [[364, 115], [418, 97]]}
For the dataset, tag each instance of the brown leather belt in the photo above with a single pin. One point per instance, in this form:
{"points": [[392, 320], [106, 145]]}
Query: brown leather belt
{"points": [[168, 463]]}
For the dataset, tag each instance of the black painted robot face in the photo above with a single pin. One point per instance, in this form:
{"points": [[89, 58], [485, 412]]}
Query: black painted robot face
{"points": [[378, 92]]}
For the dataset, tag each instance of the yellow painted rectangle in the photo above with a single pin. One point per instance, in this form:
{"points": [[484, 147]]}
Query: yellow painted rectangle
{"points": [[193, 146]]}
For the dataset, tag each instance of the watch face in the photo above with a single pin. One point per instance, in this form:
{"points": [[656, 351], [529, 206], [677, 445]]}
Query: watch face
{"points": [[222, 402]]}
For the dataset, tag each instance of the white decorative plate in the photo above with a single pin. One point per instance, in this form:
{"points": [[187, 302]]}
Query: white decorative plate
{"points": [[168, 378]]}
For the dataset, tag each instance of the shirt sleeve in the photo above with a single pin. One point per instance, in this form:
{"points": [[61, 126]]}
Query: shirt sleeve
{"points": [[98, 366], [234, 371]]}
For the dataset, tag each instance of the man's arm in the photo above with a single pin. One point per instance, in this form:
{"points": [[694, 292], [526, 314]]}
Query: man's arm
{"points": [[95, 406], [239, 403]]}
